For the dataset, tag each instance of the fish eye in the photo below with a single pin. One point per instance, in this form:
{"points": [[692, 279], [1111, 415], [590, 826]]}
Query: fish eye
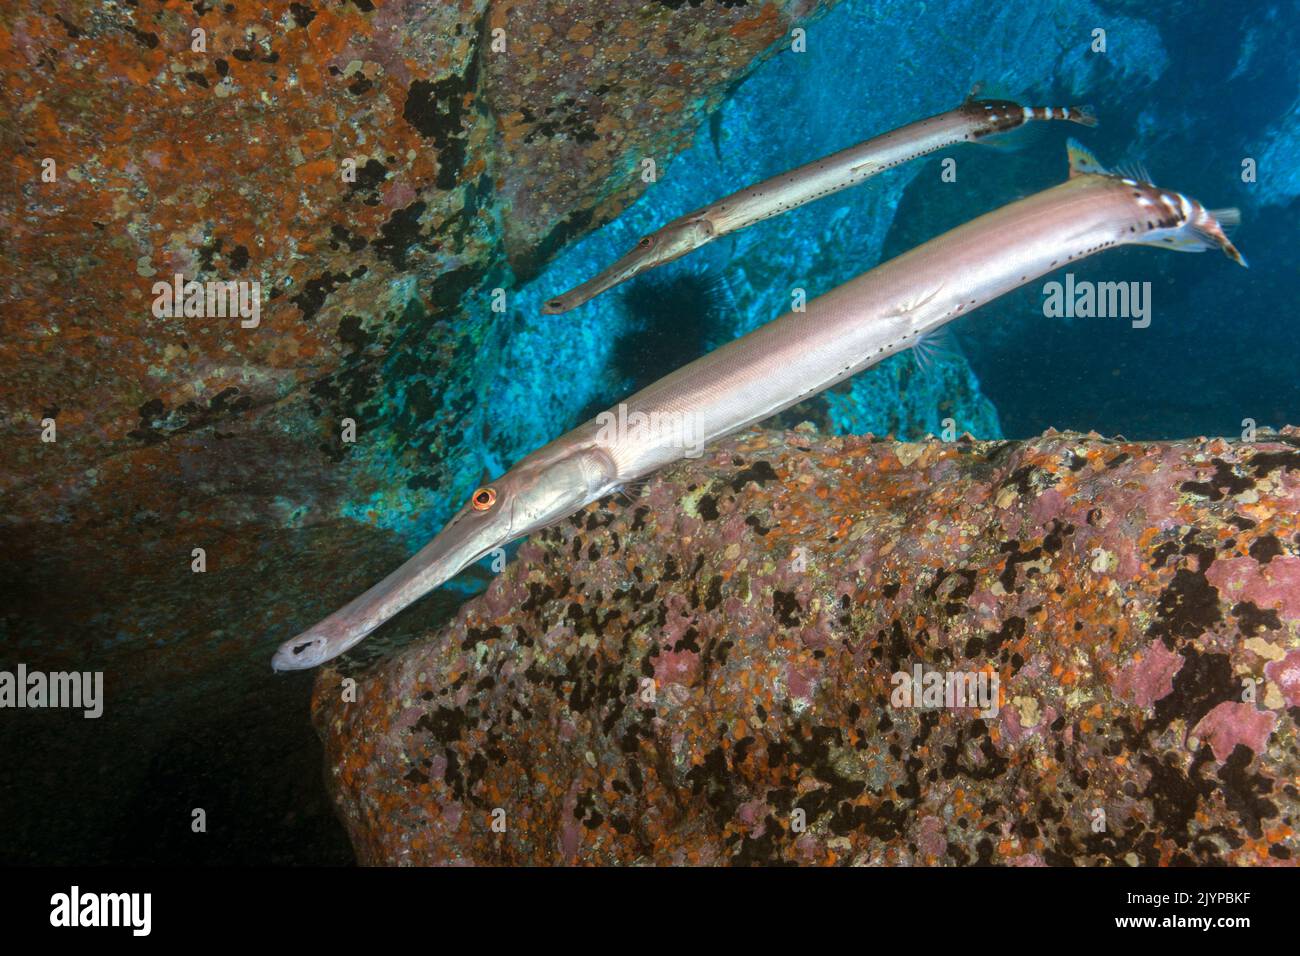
{"points": [[483, 499], [646, 241]]}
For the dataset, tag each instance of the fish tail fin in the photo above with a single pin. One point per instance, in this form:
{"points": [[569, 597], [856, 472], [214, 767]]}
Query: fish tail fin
{"points": [[1029, 132], [1083, 115], [1217, 229], [1228, 219], [1204, 229]]}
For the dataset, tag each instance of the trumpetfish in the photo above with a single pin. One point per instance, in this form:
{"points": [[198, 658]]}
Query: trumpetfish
{"points": [[971, 122], [855, 325]]}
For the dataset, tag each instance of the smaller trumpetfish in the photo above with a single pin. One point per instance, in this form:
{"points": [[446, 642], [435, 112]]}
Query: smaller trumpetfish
{"points": [[973, 121], [852, 327]]}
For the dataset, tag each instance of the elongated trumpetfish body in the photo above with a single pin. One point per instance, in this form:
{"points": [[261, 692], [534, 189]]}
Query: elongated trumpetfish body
{"points": [[850, 328], [974, 120]]}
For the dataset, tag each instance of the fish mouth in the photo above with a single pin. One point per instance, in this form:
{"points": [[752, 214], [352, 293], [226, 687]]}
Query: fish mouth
{"points": [[304, 651], [636, 261], [668, 244]]}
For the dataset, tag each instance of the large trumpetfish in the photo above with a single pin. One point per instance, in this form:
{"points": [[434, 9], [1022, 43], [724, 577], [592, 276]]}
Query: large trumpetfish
{"points": [[885, 310]]}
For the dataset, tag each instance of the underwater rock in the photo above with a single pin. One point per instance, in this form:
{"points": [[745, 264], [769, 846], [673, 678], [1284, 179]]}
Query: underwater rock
{"points": [[356, 161], [706, 673]]}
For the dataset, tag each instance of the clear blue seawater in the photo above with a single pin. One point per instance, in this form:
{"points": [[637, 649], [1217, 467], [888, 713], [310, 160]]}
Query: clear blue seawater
{"points": [[1198, 92]]}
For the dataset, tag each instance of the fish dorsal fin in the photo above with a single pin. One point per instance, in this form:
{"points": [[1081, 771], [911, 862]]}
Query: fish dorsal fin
{"points": [[1082, 161], [1134, 170]]}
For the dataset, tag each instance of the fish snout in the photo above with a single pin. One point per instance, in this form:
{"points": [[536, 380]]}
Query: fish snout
{"points": [[306, 650]]}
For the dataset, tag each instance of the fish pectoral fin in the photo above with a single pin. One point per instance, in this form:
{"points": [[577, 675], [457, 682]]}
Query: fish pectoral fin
{"points": [[1014, 140], [631, 489], [930, 346]]}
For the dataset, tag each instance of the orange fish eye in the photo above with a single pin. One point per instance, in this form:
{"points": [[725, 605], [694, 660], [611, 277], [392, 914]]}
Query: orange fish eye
{"points": [[483, 499]]}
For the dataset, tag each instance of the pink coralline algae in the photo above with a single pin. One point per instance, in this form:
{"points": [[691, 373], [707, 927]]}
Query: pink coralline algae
{"points": [[1232, 723], [702, 674], [1150, 676]]}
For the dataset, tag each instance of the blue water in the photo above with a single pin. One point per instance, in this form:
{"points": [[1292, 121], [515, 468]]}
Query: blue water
{"points": [[1190, 89]]}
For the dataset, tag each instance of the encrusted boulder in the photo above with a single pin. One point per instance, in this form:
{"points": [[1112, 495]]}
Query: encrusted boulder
{"points": [[721, 669]]}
